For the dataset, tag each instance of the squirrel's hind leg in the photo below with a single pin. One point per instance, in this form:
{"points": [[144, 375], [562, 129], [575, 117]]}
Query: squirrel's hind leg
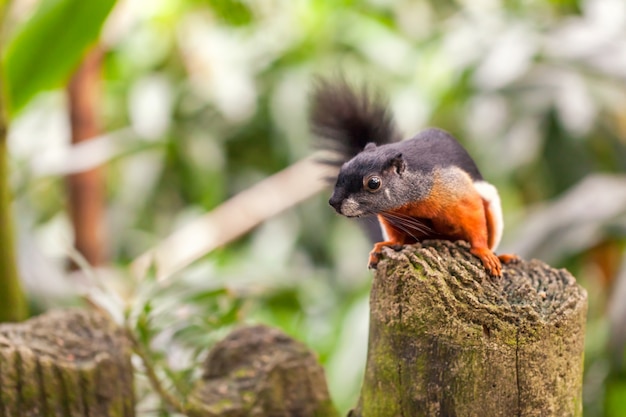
{"points": [[468, 220], [489, 259]]}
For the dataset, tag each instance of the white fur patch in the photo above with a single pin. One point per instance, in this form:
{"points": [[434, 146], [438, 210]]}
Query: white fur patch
{"points": [[383, 229], [489, 193], [349, 207], [387, 193]]}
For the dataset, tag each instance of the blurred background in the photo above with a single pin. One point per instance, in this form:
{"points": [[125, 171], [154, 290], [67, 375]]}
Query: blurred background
{"points": [[132, 119]]}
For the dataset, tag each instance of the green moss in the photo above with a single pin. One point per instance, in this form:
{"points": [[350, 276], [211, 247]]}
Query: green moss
{"points": [[243, 373], [326, 409], [382, 399]]}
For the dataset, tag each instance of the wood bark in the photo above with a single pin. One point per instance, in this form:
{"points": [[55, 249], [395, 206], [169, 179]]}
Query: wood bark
{"points": [[65, 363], [259, 372], [448, 340]]}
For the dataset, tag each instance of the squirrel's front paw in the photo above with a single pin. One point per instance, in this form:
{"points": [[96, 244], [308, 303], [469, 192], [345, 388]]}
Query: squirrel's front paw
{"points": [[372, 263], [377, 252]]}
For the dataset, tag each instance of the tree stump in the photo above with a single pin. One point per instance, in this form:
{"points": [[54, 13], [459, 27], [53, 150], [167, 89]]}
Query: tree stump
{"points": [[448, 340], [261, 372], [65, 363]]}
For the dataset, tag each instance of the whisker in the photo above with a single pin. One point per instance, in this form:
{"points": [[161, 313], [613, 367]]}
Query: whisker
{"points": [[399, 223], [421, 226], [373, 227], [409, 225], [405, 230], [409, 222]]}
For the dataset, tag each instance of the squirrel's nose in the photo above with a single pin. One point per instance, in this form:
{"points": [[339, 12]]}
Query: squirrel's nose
{"points": [[336, 203]]}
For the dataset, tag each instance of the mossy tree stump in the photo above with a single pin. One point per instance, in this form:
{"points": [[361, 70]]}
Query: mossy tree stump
{"points": [[448, 340], [258, 371], [65, 363]]}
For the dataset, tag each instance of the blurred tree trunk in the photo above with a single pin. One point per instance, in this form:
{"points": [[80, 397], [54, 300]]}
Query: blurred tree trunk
{"points": [[447, 340], [12, 302], [86, 189]]}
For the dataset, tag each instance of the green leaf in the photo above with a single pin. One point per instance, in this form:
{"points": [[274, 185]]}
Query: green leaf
{"points": [[48, 47]]}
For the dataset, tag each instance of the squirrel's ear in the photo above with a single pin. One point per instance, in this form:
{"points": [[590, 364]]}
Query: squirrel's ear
{"points": [[370, 146], [398, 163]]}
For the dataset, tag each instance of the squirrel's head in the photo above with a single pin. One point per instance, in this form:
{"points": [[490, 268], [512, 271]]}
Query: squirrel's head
{"points": [[376, 180]]}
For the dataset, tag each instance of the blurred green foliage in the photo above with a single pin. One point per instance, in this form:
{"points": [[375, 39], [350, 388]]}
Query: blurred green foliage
{"points": [[46, 49], [204, 98]]}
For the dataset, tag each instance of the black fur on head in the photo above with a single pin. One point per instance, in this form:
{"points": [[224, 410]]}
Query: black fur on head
{"points": [[395, 184], [346, 119]]}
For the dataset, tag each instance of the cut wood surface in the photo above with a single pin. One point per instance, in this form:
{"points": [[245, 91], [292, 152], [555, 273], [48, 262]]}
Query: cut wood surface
{"points": [[448, 340], [65, 363]]}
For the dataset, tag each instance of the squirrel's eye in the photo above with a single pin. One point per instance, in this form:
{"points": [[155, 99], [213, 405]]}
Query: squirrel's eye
{"points": [[373, 183]]}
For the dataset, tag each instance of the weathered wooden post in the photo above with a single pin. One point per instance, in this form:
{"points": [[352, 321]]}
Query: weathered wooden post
{"points": [[261, 372], [447, 340], [72, 363], [76, 363]]}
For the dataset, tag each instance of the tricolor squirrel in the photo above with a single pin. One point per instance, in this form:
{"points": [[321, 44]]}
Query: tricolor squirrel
{"points": [[426, 187]]}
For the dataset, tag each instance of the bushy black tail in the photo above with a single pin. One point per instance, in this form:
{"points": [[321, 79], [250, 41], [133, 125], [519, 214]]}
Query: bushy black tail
{"points": [[346, 120]]}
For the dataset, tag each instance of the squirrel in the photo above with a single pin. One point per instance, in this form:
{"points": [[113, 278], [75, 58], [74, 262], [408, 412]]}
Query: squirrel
{"points": [[426, 187]]}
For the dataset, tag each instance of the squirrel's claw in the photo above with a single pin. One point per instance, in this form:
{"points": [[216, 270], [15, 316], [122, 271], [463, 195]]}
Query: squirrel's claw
{"points": [[373, 260], [508, 258], [489, 259]]}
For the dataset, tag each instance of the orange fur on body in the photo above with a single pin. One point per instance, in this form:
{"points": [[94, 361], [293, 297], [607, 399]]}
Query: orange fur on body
{"points": [[454, 210]]}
